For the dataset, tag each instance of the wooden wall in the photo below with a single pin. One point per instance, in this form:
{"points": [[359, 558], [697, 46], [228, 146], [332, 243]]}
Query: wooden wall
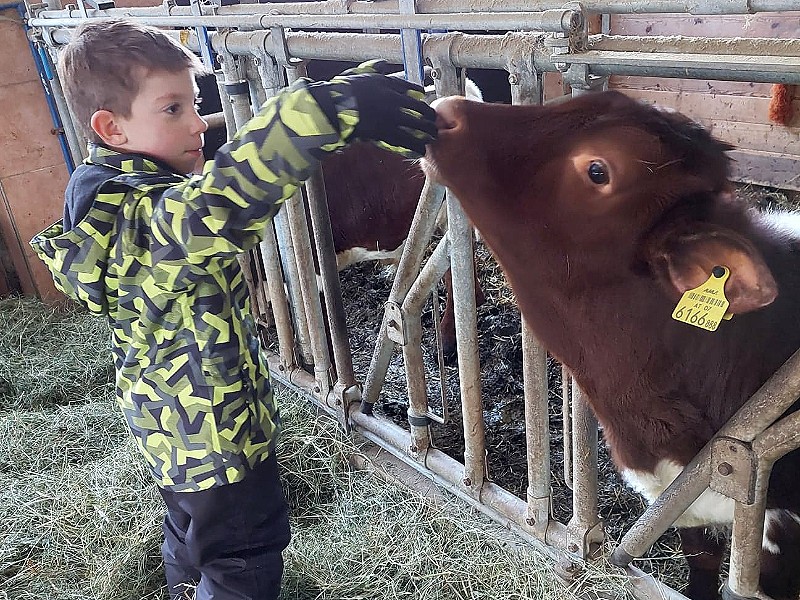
{"points": [[769, 153]]}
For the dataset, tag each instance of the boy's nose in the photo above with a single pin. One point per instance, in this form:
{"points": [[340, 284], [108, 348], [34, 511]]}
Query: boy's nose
{"points": [[200, 124]]}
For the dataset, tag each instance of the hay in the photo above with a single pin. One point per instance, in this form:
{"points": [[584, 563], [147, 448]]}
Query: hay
{"points": [[80, 517], [50, 356]]}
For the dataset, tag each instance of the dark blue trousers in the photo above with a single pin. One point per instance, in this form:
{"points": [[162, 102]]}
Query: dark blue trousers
{"points": [[227, 540]]}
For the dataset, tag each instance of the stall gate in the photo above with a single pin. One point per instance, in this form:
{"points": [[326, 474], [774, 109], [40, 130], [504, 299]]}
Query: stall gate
{"points": [[260, 48]]}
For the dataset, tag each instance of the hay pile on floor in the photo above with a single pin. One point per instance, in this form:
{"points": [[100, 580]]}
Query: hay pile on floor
{"points": [[80, 517]]}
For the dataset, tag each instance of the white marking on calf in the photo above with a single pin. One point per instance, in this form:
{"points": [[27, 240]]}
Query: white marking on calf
{"points": [[772, 517], [711, 508], [354, 255]]}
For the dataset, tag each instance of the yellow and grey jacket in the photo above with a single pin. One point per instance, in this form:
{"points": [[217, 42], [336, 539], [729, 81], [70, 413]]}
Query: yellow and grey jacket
{"points": [[156, 253]]}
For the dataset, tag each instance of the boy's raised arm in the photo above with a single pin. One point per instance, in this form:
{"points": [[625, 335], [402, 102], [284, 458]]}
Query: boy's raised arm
{"points": [[222, 212]]}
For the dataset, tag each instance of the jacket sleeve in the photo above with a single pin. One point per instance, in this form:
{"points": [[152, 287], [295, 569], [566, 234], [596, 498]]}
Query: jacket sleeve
{"points": [[203, 223]]}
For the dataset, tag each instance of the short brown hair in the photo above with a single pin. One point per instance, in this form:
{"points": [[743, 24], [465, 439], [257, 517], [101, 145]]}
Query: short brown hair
{"points": [[101, 67]]}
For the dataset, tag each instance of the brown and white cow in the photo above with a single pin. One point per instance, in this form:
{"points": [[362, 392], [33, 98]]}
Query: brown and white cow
{"points": [[602, 211]]}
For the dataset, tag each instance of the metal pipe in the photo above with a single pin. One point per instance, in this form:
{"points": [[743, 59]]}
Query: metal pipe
{"points": [[552, 20], [537, 431], [416, 380], [278, 302], [566, 425], [419, 235], [583, 528], [749, 520], [287, 254], [304, 256], [431, 7]]}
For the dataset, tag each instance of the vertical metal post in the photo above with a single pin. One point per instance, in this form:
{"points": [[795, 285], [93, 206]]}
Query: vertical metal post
{"points": [[411, 41], [584, 528], [537, 432]]}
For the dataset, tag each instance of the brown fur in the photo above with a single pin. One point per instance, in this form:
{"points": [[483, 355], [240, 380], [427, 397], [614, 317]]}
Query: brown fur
{"points": [[597, 269]]}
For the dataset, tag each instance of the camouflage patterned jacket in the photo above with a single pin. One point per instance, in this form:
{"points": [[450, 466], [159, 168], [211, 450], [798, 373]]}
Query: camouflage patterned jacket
{"points": [[156, 253]]}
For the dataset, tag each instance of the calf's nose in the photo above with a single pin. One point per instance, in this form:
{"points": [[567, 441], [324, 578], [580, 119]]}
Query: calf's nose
{"points": [[449, 112]]}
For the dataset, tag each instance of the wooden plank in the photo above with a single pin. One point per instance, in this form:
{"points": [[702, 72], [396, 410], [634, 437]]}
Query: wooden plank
{"points": [[732, 88], [769, 25], [742, 109], [754, 136], [766, 168]]}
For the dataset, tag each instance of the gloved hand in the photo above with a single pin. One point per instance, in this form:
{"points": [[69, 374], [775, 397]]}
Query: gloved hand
{"points": [[389, 111]]}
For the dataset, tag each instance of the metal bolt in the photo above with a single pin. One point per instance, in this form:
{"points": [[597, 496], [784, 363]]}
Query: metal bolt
{"points": [[725, 469], [572, 567], [530, 521], [316, 389], [513, 79], [467, 482], [413, 449], [436, 73], [573, 548]]}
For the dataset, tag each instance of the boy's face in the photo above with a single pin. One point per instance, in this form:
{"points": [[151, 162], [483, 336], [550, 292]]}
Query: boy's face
{"points": [[164, 122]]}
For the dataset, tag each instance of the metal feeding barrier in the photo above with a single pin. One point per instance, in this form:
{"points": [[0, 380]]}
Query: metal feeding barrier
{"points": [[260, 48]]}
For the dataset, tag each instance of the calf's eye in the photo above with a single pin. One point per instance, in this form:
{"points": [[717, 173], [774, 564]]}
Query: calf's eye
{"points": [[598, 172]]}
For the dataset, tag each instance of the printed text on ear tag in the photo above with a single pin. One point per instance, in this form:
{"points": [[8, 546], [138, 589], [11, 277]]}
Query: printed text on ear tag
{"points": [[705, 305]]}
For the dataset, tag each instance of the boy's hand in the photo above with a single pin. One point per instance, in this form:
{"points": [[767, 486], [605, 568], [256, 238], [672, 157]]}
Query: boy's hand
{"points": [[391, 111]]}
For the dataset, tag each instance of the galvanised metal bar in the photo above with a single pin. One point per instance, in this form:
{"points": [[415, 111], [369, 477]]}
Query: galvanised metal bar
{"points": [[329, 276], [494, 52], [291, 273], [411, 325], [566, 424], [495, 502], [462, 267], [342, 7], [757, 414], [304, 256], [237, 90], [537, 431], [268, 248], [749, 520], [584, 528], [278, 302], [420, 233], [553, 20], [771, 69], [75, 142]]}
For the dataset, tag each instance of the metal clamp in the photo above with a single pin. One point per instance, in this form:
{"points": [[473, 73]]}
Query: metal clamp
{"points": [[280, 48], [733, 469]]}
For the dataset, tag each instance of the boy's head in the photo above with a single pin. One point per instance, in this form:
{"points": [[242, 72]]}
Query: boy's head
{"points": [[131, 87]]}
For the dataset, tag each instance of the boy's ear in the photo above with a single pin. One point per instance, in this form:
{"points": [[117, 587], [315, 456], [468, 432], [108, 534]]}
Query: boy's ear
{"points": [[683, 260], [105, 125]]}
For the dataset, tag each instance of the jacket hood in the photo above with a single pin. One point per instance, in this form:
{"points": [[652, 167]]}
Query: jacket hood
{"points": [[76, 249]]}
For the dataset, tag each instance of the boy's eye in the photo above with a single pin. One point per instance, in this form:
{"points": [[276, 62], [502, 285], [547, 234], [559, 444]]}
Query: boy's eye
{"points": [[172, 109]]}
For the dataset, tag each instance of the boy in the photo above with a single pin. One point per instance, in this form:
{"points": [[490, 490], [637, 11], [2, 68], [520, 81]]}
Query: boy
{"points": [[155, 250]]}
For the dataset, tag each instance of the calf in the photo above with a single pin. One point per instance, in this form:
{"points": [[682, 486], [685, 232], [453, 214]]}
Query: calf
{"points": [[603, 211]]}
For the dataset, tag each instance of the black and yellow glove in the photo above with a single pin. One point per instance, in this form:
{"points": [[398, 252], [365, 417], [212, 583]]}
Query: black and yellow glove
{"points": [[387, 111]]}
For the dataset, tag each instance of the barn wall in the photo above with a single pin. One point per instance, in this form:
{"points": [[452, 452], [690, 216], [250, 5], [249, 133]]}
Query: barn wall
{"points": [[33, 174], [32, 170], [734, 111]]}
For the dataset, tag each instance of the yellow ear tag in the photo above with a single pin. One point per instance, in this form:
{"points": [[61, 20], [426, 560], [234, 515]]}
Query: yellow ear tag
{"points": [[705, 305]]}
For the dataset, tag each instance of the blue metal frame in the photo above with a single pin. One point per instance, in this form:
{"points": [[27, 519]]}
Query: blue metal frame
{"points": [[45, 71]]}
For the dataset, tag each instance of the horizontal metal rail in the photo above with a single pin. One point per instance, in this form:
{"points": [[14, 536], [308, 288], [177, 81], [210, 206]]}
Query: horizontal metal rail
{"points": [[343, 7]]}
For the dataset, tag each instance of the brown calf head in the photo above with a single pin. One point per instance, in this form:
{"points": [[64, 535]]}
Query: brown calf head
{"points": [[599, 184]]}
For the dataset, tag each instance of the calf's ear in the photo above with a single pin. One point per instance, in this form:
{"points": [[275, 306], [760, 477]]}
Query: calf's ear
{"points": [[684, 260]]}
